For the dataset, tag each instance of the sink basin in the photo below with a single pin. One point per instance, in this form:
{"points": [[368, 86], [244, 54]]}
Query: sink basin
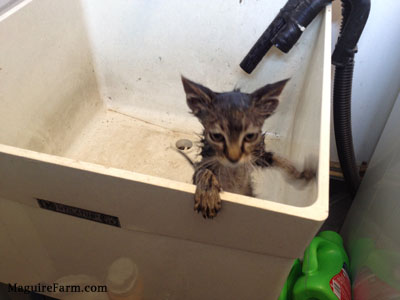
{"points": [[92, 107]]}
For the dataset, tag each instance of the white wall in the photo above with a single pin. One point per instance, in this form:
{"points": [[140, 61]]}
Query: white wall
{"points": [[372, 227], [376, 76], [7, 4]]}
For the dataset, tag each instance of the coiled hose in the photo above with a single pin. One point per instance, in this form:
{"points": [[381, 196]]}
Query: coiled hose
{"points": [[355, 14], [342, 123]]}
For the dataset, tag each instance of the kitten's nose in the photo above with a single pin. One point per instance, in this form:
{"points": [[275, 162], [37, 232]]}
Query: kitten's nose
{"points": [[234, 154], [235, 160]]}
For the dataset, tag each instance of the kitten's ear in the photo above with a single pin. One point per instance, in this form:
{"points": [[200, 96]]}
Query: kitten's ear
{"points": [[265, 100], [198, 97]]}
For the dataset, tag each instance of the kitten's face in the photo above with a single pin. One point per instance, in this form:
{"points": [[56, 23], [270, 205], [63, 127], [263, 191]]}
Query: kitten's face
{"points": [[232, 120], [231, 128]]}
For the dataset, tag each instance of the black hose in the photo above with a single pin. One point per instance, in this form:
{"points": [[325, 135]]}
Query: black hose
{"points": [[262, 46], [355, 14], [284, 31], [342, 123]]}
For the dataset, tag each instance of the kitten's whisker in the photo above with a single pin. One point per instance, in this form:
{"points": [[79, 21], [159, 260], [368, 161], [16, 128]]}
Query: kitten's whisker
{"points": [[253, 166], [253, 163], [207, 163]]}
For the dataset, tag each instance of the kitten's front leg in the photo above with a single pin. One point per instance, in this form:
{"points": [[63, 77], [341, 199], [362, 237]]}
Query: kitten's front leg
{"points": [[269, 159], [206, 198], [280, 162]]}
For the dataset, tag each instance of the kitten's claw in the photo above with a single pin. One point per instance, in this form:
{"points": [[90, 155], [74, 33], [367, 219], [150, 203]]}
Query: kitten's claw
{"points": [[207, 199]]}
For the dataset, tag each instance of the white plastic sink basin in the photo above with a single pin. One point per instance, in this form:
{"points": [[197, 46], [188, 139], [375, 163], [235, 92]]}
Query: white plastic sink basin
{"points": [[91, 106]]}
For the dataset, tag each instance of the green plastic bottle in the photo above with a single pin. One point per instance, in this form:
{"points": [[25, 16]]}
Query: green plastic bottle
{"points": [[324, 271], [295, 272]]}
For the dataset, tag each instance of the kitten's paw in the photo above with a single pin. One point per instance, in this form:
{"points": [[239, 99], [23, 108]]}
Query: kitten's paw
{"points": [[308, 174], [207, 199], [300, 179]]}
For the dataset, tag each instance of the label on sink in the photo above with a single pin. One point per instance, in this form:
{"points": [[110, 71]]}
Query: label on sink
{"points": [[79, 212]]}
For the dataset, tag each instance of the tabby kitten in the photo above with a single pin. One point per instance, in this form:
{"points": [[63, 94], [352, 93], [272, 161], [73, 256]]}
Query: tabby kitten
{"points": [[232, 143]]}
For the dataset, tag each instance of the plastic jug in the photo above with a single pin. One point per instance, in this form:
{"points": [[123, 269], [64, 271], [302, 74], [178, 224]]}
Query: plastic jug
{"points": [[295, 272], [324, 272]]}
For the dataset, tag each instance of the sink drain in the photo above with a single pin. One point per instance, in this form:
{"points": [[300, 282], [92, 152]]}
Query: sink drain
{"points": [[183, 144]]}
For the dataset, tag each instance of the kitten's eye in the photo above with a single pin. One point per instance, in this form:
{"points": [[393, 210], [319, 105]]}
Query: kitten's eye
{"points": [[250, 137], [217, 137]]}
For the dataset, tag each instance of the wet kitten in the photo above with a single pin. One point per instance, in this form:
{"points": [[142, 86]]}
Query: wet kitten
{"points": [[232, 143]]}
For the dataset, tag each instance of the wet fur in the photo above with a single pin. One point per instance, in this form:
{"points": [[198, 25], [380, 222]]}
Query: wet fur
{"points": [[228, 165]]}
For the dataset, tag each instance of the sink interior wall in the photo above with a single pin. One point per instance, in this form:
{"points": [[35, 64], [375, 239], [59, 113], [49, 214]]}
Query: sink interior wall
{"points": [[141, 49], [48, 89], [85, 64]]}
